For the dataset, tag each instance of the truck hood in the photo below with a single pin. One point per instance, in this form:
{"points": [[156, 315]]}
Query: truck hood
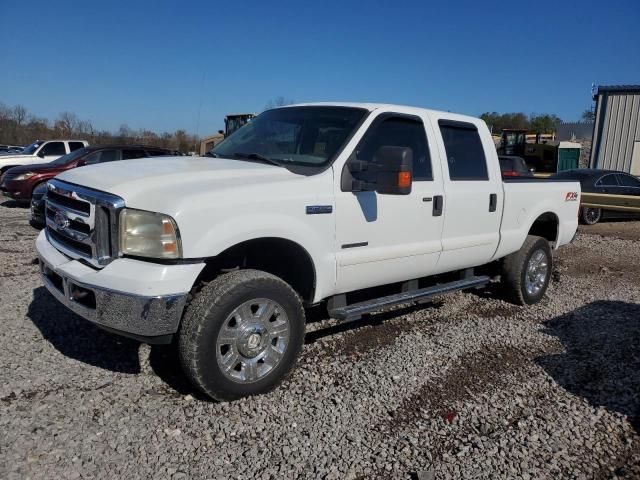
{"points": [[171, 184]]}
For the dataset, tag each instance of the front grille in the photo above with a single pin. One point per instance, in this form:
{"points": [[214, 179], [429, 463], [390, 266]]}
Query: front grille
{"points": [[70, 203], [82, 223]]}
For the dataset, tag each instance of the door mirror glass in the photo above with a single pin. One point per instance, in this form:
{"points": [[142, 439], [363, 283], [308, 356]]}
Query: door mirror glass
{"points": [[41, 153]]}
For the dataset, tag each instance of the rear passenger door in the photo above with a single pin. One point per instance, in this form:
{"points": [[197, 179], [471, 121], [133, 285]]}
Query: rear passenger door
{"points": [[473, 195]]}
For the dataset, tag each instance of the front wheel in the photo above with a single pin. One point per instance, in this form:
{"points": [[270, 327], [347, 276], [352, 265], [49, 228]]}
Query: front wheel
{"points": [[526, 273], [590, 216], [241, 334]]}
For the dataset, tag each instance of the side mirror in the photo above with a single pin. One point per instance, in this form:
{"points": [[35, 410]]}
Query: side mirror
{"points": [[394, 167], [390, 172], [41, 153]]}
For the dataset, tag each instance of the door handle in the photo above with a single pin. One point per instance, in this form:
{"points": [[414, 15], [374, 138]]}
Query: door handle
{"points": [[493, 202], [437, 205]]}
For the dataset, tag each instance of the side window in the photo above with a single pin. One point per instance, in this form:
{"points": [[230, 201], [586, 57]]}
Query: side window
{"points": [[109, 155], [54, 148], [102, 156], [628, 180], [130, 154], [399, 132], [157, 153], [92, 158], [73, 146], [465, 155], [607, 181]]}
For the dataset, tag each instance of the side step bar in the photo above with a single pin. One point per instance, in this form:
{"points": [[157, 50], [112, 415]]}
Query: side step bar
{"points": [[356, 310]]}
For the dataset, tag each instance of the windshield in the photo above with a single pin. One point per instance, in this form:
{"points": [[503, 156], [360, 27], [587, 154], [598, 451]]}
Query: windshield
{"points": [[306, 136], [69, 157], [31, 149]]}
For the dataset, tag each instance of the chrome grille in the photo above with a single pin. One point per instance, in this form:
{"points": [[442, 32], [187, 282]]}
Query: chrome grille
{"points": [[83, 223]]}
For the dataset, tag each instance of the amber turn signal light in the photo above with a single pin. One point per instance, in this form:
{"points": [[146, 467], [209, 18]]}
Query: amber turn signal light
{"points": [[404, 179]]}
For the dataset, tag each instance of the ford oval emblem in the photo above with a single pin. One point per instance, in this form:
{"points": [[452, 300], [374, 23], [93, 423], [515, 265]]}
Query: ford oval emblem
{"points": [[61, 221]]}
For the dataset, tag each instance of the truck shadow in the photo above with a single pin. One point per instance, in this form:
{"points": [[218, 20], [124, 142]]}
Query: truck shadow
{"points": [[15, 204], [602, 358], [77, 338]]}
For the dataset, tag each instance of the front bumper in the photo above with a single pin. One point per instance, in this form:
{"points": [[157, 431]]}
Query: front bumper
{"points": [[152, 316], [14, 189]]}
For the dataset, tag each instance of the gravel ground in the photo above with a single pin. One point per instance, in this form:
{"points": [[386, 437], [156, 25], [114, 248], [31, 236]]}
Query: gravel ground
{"points": [[468, 387]]}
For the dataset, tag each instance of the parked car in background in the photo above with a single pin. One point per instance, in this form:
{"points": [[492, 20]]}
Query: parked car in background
{"points": [[8, 149], [40, 151], [20, 183], [605, 193], [512, 166]]}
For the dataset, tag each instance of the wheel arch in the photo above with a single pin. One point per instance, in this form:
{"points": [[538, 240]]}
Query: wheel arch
{"points": [[546, 225], [279, 256]]}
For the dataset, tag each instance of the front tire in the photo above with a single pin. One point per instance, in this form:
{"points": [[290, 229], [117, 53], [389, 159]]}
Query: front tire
{"points": [[526, 273], [590, 216], [241, 335]]}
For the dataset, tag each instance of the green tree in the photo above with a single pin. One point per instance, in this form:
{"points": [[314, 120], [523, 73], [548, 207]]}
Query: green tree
{"points": [[588, 116]]}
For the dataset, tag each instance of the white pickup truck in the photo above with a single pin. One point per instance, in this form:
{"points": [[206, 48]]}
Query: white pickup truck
{"points": [[306, 204], [40, 151]]}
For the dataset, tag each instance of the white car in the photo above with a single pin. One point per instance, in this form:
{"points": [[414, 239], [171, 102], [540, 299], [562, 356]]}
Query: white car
{"points": [[307, 204], [40, 151]]}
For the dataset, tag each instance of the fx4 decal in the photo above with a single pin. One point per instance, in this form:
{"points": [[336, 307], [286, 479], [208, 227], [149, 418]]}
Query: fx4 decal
{"points": [[571, 197]]}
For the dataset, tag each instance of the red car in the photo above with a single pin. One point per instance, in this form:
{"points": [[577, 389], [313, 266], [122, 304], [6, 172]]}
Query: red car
{"points": [[20, 182]]}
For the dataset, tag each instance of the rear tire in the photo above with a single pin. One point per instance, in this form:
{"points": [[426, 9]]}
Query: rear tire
{"points": [[526, 273], [241, 335], [590, 216]]}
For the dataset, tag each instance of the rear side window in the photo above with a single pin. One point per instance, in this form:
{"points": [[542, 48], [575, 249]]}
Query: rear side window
{"points": [[73, 146], [628, 180], [399, 132], [54, 148], [607, 181], [131, 153], [465, 155]]}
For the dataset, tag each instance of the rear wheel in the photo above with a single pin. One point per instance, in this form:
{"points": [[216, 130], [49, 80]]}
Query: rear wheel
{"points": [[590, 216], [526, 273], [241, 334]]}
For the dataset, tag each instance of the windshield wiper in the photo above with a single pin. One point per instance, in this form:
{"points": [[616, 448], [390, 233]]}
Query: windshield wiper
{"points": [[211, 154], [257, 156]]}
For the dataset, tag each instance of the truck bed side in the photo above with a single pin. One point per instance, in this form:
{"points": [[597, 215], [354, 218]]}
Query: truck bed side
{"points": [[527, 200]]}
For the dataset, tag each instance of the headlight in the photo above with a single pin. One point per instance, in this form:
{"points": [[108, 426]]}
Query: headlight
{"points": [[24, 176], [149, 234]]}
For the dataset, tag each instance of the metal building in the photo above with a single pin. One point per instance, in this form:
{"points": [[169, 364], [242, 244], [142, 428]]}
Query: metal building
{"points": [[616, 133]]}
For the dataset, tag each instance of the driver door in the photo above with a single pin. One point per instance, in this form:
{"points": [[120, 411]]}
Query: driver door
{"points": [[387, 238]]}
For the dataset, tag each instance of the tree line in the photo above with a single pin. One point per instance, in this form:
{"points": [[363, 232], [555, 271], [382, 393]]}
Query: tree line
{"points": [[534, 123], [19, 127]]}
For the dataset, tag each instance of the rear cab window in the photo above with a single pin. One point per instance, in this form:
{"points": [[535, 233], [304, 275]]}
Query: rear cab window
{"points": [[466, 160], [132, 153]]}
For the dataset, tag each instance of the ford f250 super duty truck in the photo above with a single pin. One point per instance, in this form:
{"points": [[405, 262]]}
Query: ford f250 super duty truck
{"points": [[306, 205]]}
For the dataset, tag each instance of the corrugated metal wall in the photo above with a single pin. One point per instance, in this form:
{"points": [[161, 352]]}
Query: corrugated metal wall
{"points": [[617, 128]]}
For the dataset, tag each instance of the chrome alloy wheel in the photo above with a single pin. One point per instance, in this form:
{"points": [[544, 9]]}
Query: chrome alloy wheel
{"points": [[536, 274], [252, 340]]}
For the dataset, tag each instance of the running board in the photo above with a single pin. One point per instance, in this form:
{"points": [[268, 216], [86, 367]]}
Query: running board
{"points": [[356, 310]]}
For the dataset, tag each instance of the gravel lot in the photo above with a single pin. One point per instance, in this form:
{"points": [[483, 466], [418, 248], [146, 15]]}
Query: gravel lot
{"points": [[471, 387]]}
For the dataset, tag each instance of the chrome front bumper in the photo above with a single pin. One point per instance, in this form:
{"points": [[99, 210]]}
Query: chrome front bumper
{"points": [[152, 319]]}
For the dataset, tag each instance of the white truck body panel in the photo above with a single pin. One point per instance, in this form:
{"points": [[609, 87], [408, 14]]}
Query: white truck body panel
{"points": [[218, 203]]}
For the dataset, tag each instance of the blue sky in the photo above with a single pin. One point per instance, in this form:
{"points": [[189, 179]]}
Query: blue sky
{"points": [[151, 64]]}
